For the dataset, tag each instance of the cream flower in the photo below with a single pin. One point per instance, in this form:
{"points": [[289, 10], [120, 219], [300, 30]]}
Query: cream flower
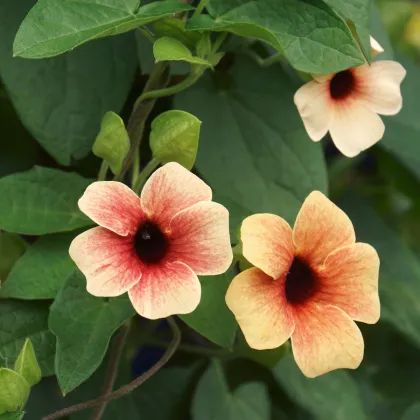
{"points": [[347, 103], [153, 246], [308, 284]]}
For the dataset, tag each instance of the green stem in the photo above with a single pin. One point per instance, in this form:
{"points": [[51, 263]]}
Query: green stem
{"points": [[219, 41], [147, 34], [264, 62], [172, 90], [200, 7], [103, 171], [144, 174], [136, 167]]}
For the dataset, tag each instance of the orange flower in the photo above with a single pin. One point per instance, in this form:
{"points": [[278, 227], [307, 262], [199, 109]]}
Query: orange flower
{"points": [[347, 103], [308, 284], [153, 246]]}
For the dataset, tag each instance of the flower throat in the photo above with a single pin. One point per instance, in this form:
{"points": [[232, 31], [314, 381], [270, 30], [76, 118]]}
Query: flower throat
{"points": [[150, 243]]}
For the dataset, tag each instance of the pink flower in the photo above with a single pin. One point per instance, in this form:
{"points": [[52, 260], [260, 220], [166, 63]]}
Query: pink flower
{"points": [[308, 284], [347, 103], [153, 246]]}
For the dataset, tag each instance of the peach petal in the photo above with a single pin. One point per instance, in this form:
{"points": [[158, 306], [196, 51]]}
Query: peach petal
{"points": [[375, 47], [324, 339], [320, 228], [349, 280], [166, 289], [112, 205], [199, 237], [170, 189], [314, 105], [260, 307], [380, 86], [355, 128], [267, 243], [107, 260]]}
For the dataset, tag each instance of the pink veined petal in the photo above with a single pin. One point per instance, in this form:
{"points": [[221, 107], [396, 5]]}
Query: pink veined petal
{"points": [[166, 289], [112, 205], [170, 189], [349, 280], [320, 228], [107, 260], [267, 243], [260, 307], [199, 237], [380, 86], [314, 105], [325, 338], [355, 128]]}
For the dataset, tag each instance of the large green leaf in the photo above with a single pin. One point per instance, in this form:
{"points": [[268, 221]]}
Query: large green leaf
{"points": [[83, 325], [310, 34], [331, 396], [214, 400], [399, 280], [42, 270], [53, 27], [403, 130], [61, 101], [254, 151], [212, 318], [41, 201], [22, 320]]}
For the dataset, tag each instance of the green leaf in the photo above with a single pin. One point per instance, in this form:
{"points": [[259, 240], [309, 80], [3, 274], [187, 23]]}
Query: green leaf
{"points": [[83, 325], [19, 321], [14, 391], [254, 151], [15, 415], [331, 396], [42, 201], [413, 413], [310, 34], [61, 101], [112, 143], [52, 27], [380, 32], [403, 130], [170, 49], [27, 365], [212, 318], [358, 12], [42, 270], [174, 137], [399, 279], [213, 399], [11, 248]]}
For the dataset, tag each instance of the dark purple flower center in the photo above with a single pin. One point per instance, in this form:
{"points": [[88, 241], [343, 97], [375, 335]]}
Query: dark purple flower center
{"points": [[150, 243], [300, 282], [342, 84]]}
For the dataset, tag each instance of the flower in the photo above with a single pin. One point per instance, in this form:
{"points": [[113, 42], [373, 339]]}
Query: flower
{"points": [[347, 103], [155, 245], [308, 284]]}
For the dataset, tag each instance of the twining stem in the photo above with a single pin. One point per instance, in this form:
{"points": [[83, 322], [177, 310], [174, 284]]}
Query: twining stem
{"points": [[126, 389], [136, 167], [200, 7], [103, 171], [112, 371], [144, 174]]}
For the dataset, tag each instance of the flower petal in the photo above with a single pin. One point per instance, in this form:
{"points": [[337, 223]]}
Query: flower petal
{"points": [[314, 106], [107, 260], [325, 338], [380, 86], [320, 228], [375, 47], [260, 307], [112, 205], [349, 280], [267, 243], [355, 128], [170, 189], [166, 289], [199, 237]]}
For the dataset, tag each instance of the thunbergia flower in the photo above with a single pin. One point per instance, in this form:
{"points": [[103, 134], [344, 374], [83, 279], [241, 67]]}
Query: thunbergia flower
{"points": [[155, 245], [347, 103], [308, 284]]}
